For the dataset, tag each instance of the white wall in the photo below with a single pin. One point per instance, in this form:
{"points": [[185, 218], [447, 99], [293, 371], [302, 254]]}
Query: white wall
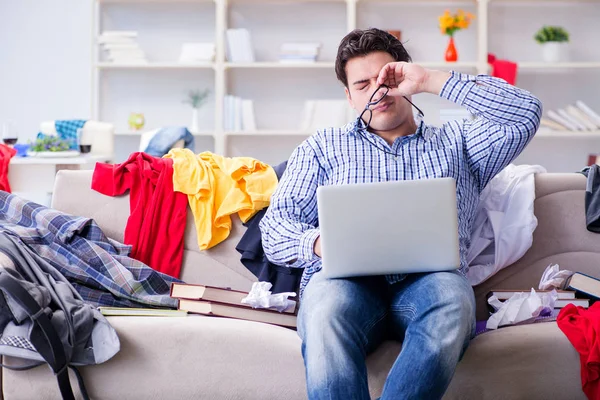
{"points": [[45, 54], [45, 58]]}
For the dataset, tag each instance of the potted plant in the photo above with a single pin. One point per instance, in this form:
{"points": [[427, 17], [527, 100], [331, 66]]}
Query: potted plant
{"points": [[450, 24], [48, 145], [553, 40], [196, 98]]}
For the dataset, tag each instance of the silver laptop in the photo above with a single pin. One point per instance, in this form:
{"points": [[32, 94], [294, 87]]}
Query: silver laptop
{"points": [[388, 227]]}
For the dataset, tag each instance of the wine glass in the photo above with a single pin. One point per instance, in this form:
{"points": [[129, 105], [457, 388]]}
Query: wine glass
{"points": [[85, 141], [9, 133]]}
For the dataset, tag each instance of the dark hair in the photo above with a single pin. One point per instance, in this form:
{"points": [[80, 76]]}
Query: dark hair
{"points": [[360, 43]]}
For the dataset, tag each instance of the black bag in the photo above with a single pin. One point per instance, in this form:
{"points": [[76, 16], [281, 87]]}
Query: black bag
{"points": [[44, 320]]}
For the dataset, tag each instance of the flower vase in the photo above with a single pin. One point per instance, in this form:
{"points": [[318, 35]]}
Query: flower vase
{"points": [[554, 52], [194, 126], [451, 54]]}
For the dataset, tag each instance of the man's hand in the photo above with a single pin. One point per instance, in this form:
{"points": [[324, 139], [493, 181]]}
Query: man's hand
{"points": [[317, 248], [406, 79]]}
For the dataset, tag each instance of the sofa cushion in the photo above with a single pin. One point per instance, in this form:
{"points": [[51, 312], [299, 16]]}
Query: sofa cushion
{"points": [[208, 358], [520, 362]]}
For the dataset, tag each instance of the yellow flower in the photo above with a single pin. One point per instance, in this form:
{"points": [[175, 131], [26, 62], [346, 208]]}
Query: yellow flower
{"points": [[449, 23]]}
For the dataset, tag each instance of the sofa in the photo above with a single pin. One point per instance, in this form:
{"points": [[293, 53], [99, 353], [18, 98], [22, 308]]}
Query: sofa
{"points": [[199, 357]]}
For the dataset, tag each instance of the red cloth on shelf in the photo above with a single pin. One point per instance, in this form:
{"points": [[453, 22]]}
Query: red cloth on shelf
{"points": [[503, 69], [6, 153], [582, 328], [156, 223]]}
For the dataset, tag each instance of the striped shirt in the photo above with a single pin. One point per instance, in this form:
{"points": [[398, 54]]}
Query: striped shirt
{"points": [[470, 151]]}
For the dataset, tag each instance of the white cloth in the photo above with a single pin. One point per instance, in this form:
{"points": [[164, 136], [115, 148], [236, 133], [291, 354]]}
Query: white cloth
{"points": [[504, 222]]}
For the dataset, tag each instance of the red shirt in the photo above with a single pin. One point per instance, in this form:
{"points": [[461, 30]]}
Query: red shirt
{"points": [[582, 328], [156, 223], [6, 153]]}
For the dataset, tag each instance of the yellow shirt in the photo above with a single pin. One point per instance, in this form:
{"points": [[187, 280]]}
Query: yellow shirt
{"points": [[219, 186]]}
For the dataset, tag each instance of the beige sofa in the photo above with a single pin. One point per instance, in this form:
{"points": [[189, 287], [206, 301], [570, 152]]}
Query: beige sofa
{"points": [[210, 358]]}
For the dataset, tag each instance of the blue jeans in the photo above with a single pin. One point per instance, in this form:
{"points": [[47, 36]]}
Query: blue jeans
{"points": [[342, 320]]}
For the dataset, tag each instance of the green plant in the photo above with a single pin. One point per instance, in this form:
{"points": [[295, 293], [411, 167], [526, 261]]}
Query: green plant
{"points": [[50, 143], [551, 34], [196, 98]]}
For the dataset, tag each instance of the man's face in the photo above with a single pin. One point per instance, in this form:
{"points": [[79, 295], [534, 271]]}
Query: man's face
{"points": [[362, 73]]}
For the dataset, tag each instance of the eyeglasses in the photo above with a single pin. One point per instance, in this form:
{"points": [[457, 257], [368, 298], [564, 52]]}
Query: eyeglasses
{"points": [[376, 98]]}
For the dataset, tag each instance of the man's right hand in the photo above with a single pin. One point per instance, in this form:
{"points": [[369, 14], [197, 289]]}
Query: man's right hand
{"points": [[317, 248]]}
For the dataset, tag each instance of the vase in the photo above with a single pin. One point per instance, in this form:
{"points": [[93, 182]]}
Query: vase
{"points": [[451, 54], [194, 127], [553, 52]]}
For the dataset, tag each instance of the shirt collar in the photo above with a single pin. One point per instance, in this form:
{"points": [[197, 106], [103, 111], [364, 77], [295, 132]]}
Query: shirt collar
{"points": [[358, 125]]}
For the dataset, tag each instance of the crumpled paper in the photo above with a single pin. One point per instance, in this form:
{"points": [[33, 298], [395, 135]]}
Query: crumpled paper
{"points": [[260, 297], [552, 278], [520, 307]]}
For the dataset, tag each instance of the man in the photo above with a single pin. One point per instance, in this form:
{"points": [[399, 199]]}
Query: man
{"points": [[433, 314]]}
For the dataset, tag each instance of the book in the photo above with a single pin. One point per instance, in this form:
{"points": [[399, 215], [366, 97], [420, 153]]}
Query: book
{"points": [[237, 312], [559, 119], [584, 285], [588, 111], [507, 294], [552, 125], [141, 312], [577, 302], [575, 122], [581, 117], [215, 294]]}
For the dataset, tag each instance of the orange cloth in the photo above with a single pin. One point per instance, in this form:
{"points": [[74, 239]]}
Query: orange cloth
{"points": [[6, 153]]}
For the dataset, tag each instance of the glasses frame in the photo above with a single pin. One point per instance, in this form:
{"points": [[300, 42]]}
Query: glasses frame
{"points": [[371, 103]]}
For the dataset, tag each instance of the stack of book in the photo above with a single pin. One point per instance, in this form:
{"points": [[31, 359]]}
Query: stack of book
{"points": [[577, 117], [239, 46], [197, 53], [319, 114], [225, 302], [122, 47], [579, 289], [238, 114], [564, 297], [299, 52]]}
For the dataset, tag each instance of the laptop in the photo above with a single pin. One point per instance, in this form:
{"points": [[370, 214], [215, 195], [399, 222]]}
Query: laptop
{"points": [[388, 227]]}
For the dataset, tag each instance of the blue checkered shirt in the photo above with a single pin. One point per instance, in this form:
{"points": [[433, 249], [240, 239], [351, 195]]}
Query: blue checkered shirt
{"points": [[99, 268], [470, 151]]}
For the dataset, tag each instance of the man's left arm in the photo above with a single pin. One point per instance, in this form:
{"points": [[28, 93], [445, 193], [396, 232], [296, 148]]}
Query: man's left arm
{"points": [[506, 119]]}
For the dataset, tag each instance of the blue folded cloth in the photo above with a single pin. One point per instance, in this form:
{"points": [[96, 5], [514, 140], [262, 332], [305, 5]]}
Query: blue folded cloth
{"points": [[67, 130], [166, 137]]}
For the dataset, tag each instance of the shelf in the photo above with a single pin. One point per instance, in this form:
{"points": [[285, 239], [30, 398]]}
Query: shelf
{"points": [[424, 2], [319, 64], [268, 132], [537, 2], [205, 133], [449, 65], [107, 65], [568, 134], [554, 66], [153, 1]]}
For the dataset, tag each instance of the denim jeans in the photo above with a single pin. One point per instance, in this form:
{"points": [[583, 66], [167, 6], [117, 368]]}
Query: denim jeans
{"points": [[342, 320]]}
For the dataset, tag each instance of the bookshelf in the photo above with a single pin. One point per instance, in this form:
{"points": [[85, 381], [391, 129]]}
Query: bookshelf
{"points": [[276, 21]]}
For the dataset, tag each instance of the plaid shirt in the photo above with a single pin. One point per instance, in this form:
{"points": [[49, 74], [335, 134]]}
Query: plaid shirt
{"points": [[99, 268], [470, 151]]}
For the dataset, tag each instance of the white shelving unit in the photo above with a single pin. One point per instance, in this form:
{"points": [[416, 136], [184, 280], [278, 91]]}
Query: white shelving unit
{"points": [[222, 70]]}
